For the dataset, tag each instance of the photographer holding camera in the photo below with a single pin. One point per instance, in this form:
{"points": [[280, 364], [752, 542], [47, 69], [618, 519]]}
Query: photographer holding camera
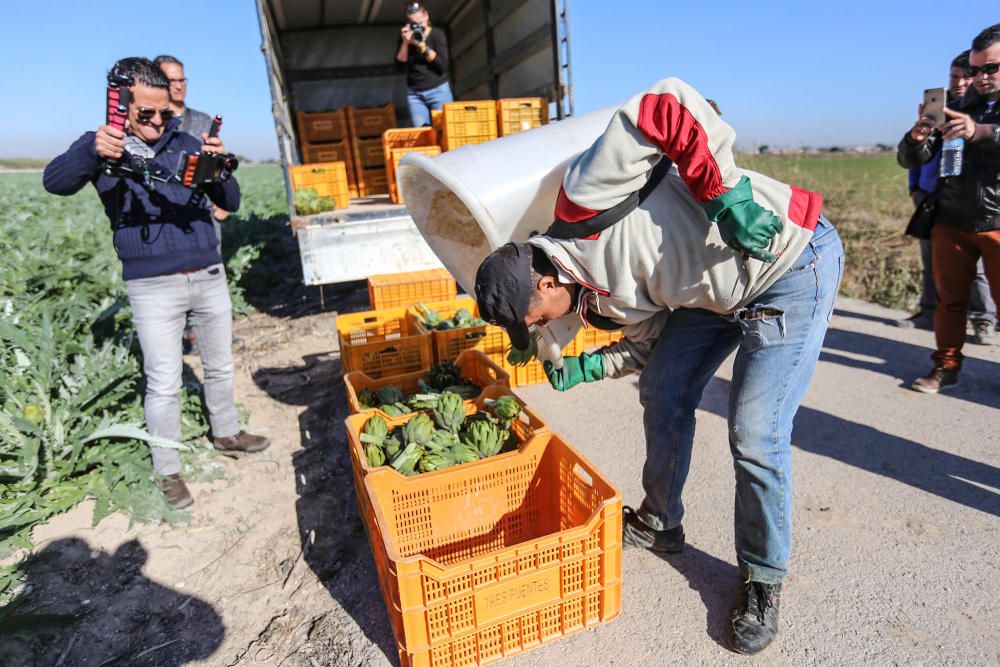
{"points": [[158, 185], [423, 54]]}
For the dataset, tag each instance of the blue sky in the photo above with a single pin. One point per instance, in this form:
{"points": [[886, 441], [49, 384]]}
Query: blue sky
{"points": [[785, 73]]}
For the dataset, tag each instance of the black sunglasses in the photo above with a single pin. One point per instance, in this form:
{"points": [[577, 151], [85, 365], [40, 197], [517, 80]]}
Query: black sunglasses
{"points": [[988, 68], [145, 114]]}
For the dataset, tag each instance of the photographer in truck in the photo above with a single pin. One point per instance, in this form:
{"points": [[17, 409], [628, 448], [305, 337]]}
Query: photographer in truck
{"points": [[158, 185], [423, 54]]}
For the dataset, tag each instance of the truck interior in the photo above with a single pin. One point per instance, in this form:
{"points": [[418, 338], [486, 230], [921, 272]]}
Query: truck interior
{"points": [[326, 54]]}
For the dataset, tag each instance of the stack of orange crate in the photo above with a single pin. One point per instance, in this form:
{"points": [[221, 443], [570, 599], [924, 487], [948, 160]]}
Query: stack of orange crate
{"points": [[325, 137], [396, 142], [366, 128], [470, 122]]}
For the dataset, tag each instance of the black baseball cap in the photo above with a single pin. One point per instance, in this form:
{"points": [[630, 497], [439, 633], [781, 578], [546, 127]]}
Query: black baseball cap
{"points": [[413, 7], [503, 291]]}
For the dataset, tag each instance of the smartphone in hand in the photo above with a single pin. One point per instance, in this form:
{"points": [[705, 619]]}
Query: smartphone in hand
{"points": [[934, 99]]}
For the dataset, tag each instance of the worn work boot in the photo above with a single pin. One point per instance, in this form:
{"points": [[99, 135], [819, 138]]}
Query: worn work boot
{"points": [[241, 443], [176, 492], [755, 617], [982, 334], [937, 380], [635, 533], [921, 320]]}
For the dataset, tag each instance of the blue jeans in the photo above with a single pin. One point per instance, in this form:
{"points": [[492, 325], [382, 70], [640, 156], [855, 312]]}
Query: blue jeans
{"points": [[422, 102], [778, 338]]}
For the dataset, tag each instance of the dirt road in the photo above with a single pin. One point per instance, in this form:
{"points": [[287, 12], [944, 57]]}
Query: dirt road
{"points": [[895, 559]]}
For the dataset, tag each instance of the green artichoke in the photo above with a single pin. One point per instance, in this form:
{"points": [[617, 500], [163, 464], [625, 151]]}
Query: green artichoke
{"points": [[389, 394], [375, 455], [485, 436], [367, 398], [449, 412], [406, 461], [392, 444], [419, 430], [374, 431], [436, 461], [463, 452], [506, 409]]}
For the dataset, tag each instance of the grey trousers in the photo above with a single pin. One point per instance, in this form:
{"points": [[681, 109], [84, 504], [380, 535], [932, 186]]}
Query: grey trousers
{"points": [[160, 307], [981, 306]]}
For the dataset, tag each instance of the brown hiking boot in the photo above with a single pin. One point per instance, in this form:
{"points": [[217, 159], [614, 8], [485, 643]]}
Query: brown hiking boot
{"points": [[936, 380], [241, 443], [176, 492]]}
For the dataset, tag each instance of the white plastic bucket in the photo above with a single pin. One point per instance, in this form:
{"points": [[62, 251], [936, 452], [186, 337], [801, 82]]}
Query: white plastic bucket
{"points": [[469, 201]]}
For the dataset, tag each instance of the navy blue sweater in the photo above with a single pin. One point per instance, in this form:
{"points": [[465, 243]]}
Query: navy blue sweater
{"points": [[156, 232]]}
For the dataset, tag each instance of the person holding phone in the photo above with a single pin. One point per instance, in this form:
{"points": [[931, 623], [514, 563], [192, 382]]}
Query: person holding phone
{"points": [[922, 181], [422, 52], [967, 218]]}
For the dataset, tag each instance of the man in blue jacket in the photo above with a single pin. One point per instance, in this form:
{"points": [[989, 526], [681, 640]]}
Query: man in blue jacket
{"points": [[170, 257], [922, 181]]}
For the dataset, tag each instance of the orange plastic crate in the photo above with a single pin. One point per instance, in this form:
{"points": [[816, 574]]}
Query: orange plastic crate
{"points": [[476, 367], [526, 427], [538, 559], [392, 290], [448, 344], [468, 123], [437, 122], [521, 113], [328, 179], [368, 152], [380, 343], [372, 121], [322, 126], [392, 166], [372, 181]]}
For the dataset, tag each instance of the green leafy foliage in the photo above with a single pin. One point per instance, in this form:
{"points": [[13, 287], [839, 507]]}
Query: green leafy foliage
{"points": [[462, 319]]}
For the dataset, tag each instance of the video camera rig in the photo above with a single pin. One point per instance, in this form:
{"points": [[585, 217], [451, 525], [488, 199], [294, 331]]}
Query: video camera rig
{"points": [[194, 170]]}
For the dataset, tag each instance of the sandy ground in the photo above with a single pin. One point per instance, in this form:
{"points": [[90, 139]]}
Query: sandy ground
{"points": [[895, 559]]}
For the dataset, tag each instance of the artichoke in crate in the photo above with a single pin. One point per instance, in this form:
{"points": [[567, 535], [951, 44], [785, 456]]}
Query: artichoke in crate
{"points": [[449, 412], [506, 409], [485, 436], [466, 391], [367, 398], [463, 452], [443, 375], [432, 461], [374, 431], [375, 455], [392, 444], [441, 441], [428, 317], [418, 430], [423, 401], [395, 409], [389, 394], [407, 460]]}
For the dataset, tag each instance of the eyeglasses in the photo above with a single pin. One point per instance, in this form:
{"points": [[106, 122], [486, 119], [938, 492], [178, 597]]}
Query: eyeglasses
{"points": [[179, 82], [145, 114], [988, 68]]}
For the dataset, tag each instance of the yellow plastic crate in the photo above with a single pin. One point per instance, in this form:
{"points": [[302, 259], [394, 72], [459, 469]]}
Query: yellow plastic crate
{"points": [[380, 343], [487, 338], [472, 122], [328, 179], [518, 114], [539, 558], [392, 290]]}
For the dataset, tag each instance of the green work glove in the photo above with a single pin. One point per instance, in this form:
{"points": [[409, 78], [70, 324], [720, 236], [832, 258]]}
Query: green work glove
{"points": [[745, 225], [585, 368]]}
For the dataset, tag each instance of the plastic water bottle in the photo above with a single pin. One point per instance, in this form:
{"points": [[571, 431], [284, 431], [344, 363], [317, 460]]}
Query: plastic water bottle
{"points": [[951, 157]]}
